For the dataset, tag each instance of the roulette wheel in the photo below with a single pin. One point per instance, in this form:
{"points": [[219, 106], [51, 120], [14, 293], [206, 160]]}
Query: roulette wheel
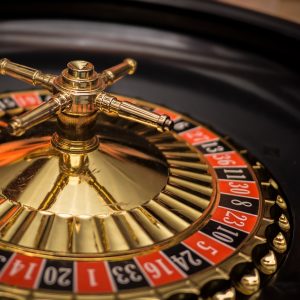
{"points": [[178, 182]]}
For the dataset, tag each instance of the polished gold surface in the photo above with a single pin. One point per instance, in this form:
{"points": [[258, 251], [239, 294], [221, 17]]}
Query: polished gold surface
{"points": [[78, 95], [69, 183], [93, 187], [114, 183], [26, 74], [279, 243], [174, 214], [281, 203], [124, 109], [268, 263], [123, 197], [228, 294], [249, 283], [284, 223], [18, 125]]}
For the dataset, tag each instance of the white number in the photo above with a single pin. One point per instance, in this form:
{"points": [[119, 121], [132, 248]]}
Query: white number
{"points": [[18, 266], [92, 277], [59, 276], [3, 258], [241, 218], [239, 203], [185, 258], [130, 274], [197, 136], [234, 174], [62, 278], [152, 269], [224, 236], [224, 159], [181, 126], [239, 188], [155, 271], [121, 278], [213, 147], [50, 276], [201, 245]]}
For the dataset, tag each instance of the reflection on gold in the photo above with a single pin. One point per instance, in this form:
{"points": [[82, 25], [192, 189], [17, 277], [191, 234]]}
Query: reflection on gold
{"points": [[119, 197], [13, 151], [61, 183], [138, 190]]}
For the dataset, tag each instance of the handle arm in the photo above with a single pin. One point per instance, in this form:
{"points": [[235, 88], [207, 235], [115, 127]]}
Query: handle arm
{"points": [[20, 124], [110, 104], [26, 74]]}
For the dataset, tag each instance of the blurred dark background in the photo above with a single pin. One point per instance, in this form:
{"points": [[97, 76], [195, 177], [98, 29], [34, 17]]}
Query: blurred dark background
{"points": [[236, 70]]}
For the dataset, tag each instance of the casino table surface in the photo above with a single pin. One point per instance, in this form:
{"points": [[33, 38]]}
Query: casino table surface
{"points": [[235, 70]]}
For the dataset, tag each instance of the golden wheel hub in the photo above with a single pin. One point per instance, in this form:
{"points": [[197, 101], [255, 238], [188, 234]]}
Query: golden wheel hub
{"points": [[128, 200], [104, 201]]}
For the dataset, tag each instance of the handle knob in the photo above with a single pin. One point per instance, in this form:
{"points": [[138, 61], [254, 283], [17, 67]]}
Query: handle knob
{"points": [[78, 96], [113, 74]]}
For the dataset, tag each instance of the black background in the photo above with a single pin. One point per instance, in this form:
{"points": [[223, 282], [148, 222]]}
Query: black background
{"points": [[235, 70]]}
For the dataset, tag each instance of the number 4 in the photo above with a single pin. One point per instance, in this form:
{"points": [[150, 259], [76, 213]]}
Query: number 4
{"points": [[185, 258]]}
